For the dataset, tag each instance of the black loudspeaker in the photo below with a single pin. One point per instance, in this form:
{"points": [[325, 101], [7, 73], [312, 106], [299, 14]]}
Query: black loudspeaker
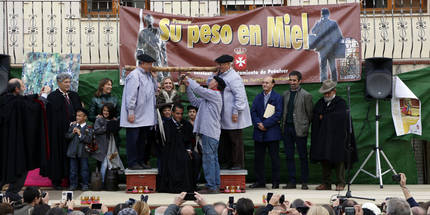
{"points": [[4, 72], [379, 78]]}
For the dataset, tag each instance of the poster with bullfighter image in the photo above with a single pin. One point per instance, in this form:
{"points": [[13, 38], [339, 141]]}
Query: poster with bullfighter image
{"points": [[320, 41]]}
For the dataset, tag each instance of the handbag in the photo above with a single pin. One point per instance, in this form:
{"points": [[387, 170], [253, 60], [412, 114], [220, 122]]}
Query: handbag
{"points": [[92, 146]]}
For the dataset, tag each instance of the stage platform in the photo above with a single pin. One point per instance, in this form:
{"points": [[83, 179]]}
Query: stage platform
{"points": [[419, 192]]}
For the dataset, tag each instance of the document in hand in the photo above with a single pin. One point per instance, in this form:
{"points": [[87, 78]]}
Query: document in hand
{"points": [[270, 110]]}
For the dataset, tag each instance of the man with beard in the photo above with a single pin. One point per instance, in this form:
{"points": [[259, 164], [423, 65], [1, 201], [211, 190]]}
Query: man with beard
{"points": [[178, 173], [23, 143], [61, 110], [330, 136]]}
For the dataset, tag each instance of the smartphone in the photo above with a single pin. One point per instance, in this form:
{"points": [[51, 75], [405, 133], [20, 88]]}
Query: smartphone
{"points": [[349, 211], [69, 196], [96, 206], [230, 201], [189, 197], [66, 196], [43, 194], [282, 199], [268, 197]]}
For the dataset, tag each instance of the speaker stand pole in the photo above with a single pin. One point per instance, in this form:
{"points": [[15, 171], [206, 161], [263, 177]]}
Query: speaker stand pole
{"points": [[378, 151], [349, 152]]}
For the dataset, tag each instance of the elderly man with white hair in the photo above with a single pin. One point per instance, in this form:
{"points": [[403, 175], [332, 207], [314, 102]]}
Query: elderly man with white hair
{"points": [[396, 206], [61, 111]]}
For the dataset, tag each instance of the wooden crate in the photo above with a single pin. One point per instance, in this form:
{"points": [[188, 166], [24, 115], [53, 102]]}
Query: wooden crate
{"points": [[139, 179], [230, 178]]}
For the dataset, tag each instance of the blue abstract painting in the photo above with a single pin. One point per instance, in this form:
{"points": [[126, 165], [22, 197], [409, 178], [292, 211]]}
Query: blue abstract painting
{"points": [[41, 69]]}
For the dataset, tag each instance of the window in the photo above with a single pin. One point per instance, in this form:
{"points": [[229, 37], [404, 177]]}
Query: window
{"points": [[234, 9], [393, 5], [95, 8]]}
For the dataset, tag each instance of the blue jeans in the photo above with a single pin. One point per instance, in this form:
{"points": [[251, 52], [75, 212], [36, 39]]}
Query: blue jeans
{"points": [[75, 163], [210, 162], [290, 140]]}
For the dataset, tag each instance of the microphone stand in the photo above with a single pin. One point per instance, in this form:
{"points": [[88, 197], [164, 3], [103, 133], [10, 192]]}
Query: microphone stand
{"points": [[349, 152]]}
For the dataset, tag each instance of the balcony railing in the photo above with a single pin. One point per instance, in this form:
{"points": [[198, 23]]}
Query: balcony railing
{"points": [[389, 28]]}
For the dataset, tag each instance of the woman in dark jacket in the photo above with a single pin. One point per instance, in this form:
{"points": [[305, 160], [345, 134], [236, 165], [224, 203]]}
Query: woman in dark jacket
{"points": [[105, 129], [101, 97]]}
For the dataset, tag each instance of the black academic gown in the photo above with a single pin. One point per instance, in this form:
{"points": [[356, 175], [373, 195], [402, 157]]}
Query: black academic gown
{"points": [[330, 135], [177, 174], [23, 142], [60, 114]]}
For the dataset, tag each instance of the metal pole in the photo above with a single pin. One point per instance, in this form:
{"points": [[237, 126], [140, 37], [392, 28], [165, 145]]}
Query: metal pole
{"points": [[378, 159]]}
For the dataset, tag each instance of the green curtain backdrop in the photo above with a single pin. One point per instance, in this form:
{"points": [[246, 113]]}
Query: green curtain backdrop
{"points": [[398, 149]]}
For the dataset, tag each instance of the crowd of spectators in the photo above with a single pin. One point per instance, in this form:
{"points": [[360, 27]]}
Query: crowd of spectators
{"points": [[35, 202]]}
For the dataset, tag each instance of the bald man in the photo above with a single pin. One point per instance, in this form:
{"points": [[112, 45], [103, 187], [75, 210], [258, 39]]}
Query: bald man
{"points": [[267, 132], [23, 148]]}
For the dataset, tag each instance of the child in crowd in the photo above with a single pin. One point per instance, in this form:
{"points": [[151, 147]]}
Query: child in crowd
{"points": [[192, 113], [106, 129], [79, 135]]}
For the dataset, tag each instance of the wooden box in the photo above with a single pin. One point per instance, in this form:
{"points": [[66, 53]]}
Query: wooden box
{"points": [[141, 181], [232, 179]]}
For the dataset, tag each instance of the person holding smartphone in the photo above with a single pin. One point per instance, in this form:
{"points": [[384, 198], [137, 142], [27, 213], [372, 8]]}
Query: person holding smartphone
{"points": [[176, 208], [31, 197]]}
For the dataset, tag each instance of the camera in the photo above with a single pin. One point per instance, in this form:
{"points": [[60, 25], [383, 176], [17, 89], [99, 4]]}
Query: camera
{"points": [[144, 198], [342, 200], [65, 196], [349, 211], [189, 197], [396, 178], [130, 202]]}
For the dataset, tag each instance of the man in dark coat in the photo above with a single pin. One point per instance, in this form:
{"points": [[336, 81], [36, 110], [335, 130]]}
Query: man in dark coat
{"points": [[178, 173], [61, 109], [267, 132], [331, 136], [327, 41], [23, 136]]}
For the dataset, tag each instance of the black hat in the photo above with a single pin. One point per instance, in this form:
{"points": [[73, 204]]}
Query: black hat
{"points": [[145, 58], [221, 83], [224, 59], [325, 11], [83, 110]]}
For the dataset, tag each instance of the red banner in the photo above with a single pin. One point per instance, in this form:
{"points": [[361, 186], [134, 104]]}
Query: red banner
{"points": [[321, 41]]}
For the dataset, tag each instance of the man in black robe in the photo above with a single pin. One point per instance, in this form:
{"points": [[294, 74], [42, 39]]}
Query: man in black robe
{"points": [[23, 136], [61, 109], [178, 172], [331, 137]]}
